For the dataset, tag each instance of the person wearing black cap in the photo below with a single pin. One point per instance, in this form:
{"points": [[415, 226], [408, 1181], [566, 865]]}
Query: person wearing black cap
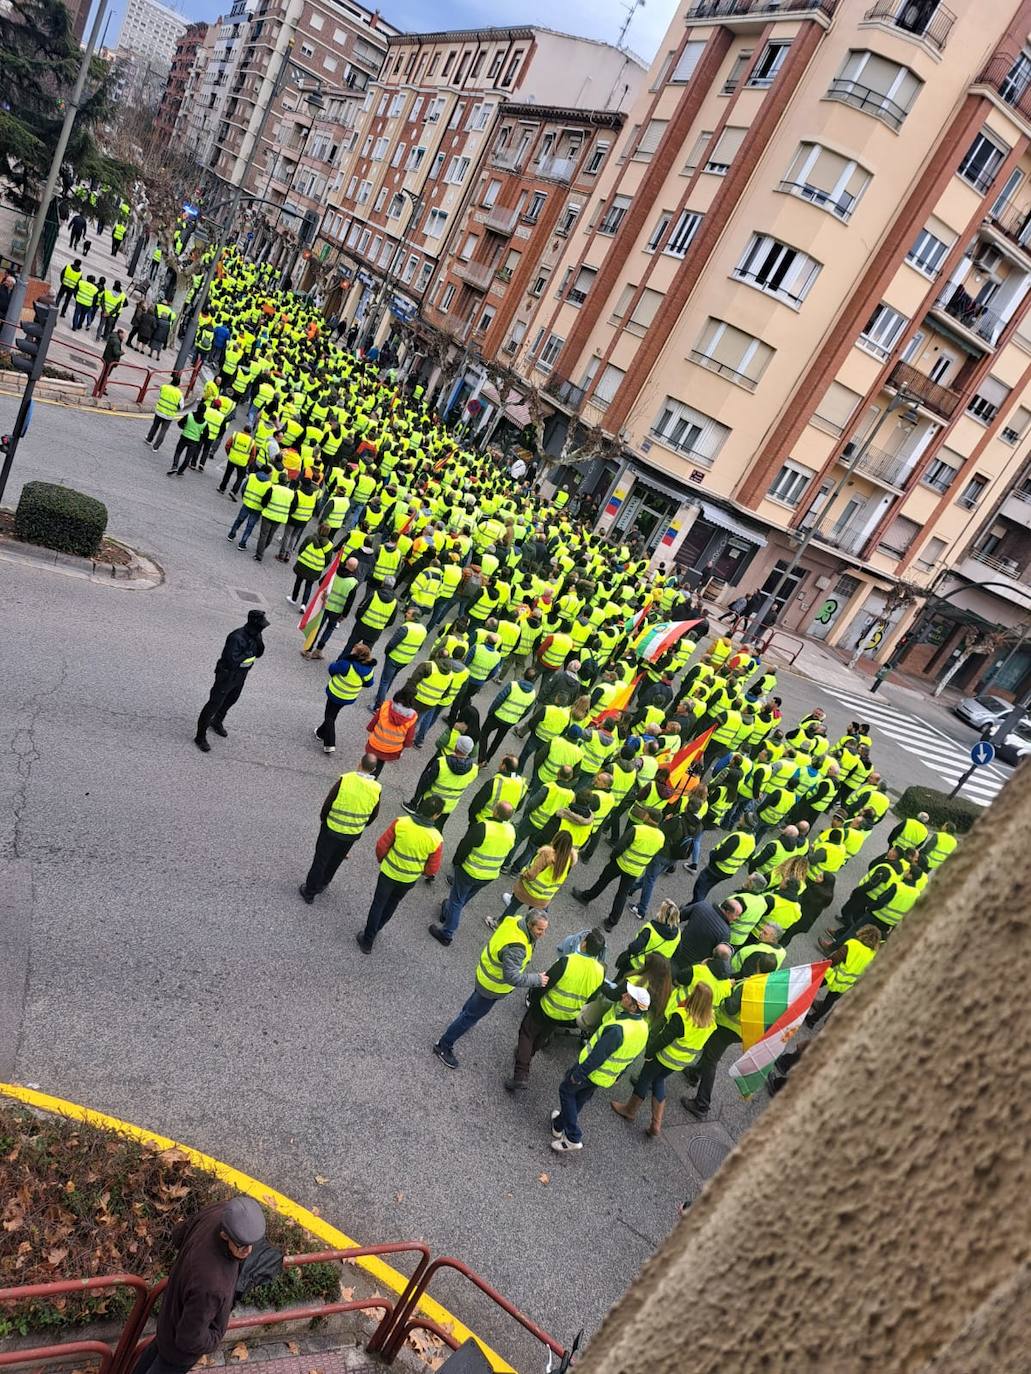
{"points": [[239, 653], [197, 1304]]}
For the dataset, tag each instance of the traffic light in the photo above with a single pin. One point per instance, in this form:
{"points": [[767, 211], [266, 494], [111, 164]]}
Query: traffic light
{"points": [[30, 348]]}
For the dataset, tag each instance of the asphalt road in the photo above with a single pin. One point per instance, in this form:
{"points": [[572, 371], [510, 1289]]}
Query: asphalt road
{"points": [[173, 976]]}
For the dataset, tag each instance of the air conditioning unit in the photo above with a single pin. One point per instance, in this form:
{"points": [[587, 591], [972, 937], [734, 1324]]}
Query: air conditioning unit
{"points": [[988, 259]]}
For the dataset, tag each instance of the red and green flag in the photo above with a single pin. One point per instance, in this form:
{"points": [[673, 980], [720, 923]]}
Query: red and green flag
{"points": [[773, 1006], [653, 641], [311, 616]]}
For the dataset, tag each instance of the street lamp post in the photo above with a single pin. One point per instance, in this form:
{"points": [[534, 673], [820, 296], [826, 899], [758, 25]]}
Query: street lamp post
{"points": [[390, 277], [900, 399]]}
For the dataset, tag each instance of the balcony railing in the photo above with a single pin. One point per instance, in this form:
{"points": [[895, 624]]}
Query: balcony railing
{"points": [[508, 159], [848, 538], [501, 219], [927, 20], [925, 392], [1012, 220], [742, 9], [563, 390], [1011, 83], [723, 369], [557, 168], [1010, 567], [955, 302], [478, 275], [879, 464], [867, 99]]}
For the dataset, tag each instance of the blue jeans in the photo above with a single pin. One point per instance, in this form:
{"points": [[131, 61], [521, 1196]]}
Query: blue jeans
{"points": [[652, 1079], [476, 1008], [426, 723], [647, 882], [248, 519], [574, 1092], [78, 315], [440, 610], [385, 900], [463, 890], [390, 671], [353, 516], [696, 848]]}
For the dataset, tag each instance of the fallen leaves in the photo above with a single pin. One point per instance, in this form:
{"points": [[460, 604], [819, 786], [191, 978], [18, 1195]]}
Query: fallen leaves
{"points": [[544, 1178], [321, 1178], [240, 1352], [430, 1348], [57, 1256], [293, 1347]]}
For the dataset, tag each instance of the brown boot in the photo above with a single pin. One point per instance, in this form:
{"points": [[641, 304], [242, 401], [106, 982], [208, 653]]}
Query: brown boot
{"points": [[628, 1109], [658, 1112]]}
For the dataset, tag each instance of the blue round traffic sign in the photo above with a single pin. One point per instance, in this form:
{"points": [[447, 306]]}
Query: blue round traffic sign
{"points": [[981, 753]]}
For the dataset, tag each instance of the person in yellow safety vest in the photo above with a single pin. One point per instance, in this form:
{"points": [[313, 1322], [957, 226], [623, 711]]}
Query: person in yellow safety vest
{"points": [[351, 806], [564, 751], [661, 935], [166, 409], [554, 649], [388, 561], [506, 785], [347, 676], [615, 1045], [155, 262], [509, 708], [869, 797], [848, 964], [502, 968], [829, 854], [339, 599], [276, 505], [426, 586], [401, 648], [447, 776], [479, 859], [313, 558], [573, 979], [631, 855], [677, 1047], [71, 275], [409, 849], [112, 299], [215, 417], [258, 483], [912, 832], [939, 845], [725, 858], [377, 612], [302, 508], [86, 292], [118, 231], [240, 450]]}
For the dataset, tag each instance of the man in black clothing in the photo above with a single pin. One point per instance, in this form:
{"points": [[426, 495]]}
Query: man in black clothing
{"points": [[464, 886], [537, 1027], [239, 653], [703, 926]]}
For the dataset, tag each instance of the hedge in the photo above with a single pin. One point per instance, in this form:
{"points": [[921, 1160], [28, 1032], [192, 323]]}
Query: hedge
{"points": [[940, 808], [60, 518], [77, 1201]]}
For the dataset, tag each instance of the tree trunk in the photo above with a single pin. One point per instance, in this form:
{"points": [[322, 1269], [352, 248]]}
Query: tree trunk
{"points": [[951, 672]]}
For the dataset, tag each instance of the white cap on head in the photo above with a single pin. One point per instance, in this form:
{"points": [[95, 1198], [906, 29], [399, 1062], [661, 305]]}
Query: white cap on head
{"points": [[640, 995], [464, 745]]}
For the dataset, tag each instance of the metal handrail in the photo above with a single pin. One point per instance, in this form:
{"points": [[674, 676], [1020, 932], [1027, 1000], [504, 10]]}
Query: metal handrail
{"points": [[62, 1287], [936, 30], [61, 1352], [998, 74]]}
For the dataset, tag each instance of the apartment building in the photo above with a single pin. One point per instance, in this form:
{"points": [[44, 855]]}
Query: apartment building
{"points": [[151, 31], [197, 119], [183, 61], [421, 146], [798, 296]]}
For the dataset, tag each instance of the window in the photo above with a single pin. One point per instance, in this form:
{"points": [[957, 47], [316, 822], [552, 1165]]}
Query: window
{"points": [[644, 313], [438, 162], [732, 352], [597, 157], [657, 234], [435, 222], [329, 63], [983, 160], [550, 351], [364, 192], [623, 303], [733, 80], [415, 158], [456, 115], [409, 272], [688, 431], [771, 59], [383, 104], [381, 199], [1017, 80], [480, 116], [495, 64], [396, 205], [875, 85], [379, 150], [540, 285], [688, 60], [836, 408], [397, 105], [446, 69], [929, 249], [939, 474], [317, 22], [363, 241], [416, 110], [399, 153], [569, 216], [460, 69], [491, 194], [352, 186], [376, 245], [1014, 429], [577, 293], [608, 385], [972, 492], [535, 206], [990, 395], [650, 139], [683, 232], [941, 367], [513, 67], [931, 554], [828, 179], [726, 149], [899, 535], [790, 483], [697, 152], [307, 50], [777, 269], [457, 171], [613, 215], [424, 276], [434, 109], [367, 149], [882, 331], [478, 62], [447, 297]]}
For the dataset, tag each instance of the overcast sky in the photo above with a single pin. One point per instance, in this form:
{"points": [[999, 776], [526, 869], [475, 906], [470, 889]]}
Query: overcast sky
{"points": [[594, 18]]}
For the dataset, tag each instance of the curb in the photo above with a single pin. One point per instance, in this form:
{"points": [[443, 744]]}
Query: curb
{"points": [[142, 573], [278, 1202], [91, 404]]}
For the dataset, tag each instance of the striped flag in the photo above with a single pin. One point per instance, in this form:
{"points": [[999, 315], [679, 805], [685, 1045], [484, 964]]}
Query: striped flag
{"points": [[680, 764], [654, 640], [634, 622], [311, 616], [773, 1006], [618, 703]]}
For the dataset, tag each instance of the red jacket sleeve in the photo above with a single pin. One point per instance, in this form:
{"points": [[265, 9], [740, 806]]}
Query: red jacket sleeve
{"points": [[410, 732], [386, 840], [433, 862]]}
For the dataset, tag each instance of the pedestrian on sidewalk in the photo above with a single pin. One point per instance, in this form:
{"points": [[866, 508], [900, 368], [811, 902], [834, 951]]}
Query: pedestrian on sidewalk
{"points": [[242, 649], [70, 275], [111, 358], [78, 226], [192, 431]]}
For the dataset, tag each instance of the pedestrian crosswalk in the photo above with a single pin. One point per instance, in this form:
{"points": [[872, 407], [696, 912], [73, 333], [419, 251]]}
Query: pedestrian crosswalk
{"points": [[947, 757]]}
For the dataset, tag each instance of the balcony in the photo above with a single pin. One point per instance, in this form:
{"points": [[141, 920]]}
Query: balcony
{"points": [[1011, 224], [745, 9], [563, 391], [1006, 574], [980, 325], [557, 168], [848, 538], [928, 20], [889, 469], [923, 392], [478, 275], [501, 219], [507, 159], [1017, 507], [1006, 76]]}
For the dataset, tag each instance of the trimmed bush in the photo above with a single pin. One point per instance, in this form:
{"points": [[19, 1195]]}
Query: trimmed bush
{"points": [[939, 806], [60, 518]]}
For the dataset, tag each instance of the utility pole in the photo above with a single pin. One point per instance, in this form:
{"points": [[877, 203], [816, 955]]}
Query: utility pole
{"points": [[32, 348], [900, 399], [17, 301], [390, 277]]}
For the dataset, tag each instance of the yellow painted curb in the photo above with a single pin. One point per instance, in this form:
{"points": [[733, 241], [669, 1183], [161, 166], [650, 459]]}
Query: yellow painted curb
{"points": [[92, 410], [335, 1239]]}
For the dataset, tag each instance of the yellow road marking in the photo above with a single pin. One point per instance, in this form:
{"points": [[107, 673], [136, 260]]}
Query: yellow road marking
{"points": [[278, 1202]]}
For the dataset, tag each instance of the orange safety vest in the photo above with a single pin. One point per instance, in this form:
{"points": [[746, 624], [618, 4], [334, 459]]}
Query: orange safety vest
{"points": [[385, 737]]}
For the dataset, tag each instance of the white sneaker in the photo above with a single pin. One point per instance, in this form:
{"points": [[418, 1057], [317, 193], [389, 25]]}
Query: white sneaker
{"points": [[507, 896], [291, 601], [329, 748], [636, 911], [562, 1145], [491, 922], [554, 1117]]}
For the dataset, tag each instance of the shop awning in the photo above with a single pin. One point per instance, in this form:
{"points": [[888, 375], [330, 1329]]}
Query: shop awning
{"points": [[715, 515]]}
